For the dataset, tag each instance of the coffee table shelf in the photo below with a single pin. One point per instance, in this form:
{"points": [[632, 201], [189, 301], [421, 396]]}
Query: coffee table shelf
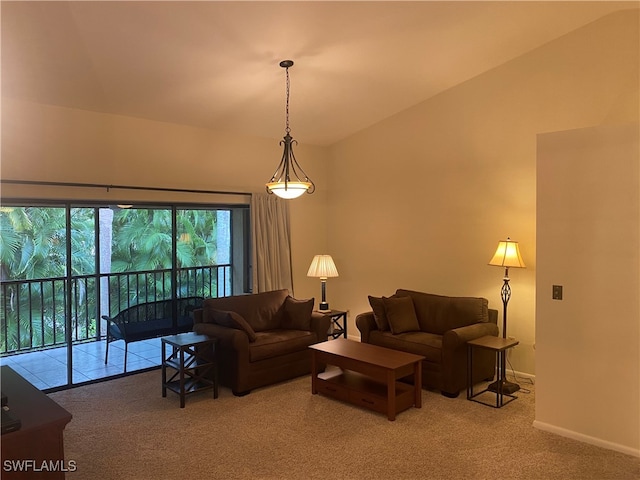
{"points": [[358, 389]]}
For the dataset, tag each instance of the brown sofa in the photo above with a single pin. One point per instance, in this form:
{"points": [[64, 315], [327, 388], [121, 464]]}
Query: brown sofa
{"points": [[262, 338], [436, 327]]}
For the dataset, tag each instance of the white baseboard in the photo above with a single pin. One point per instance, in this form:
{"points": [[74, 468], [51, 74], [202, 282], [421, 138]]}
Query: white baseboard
{"points": [[598, 442], [519, 376]]}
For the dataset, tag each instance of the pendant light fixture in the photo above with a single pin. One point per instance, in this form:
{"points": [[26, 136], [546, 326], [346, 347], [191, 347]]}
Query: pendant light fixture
{"points": [[289, 180]]}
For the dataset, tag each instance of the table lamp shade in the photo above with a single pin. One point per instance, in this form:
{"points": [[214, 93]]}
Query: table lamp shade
{"points": [[322, 266], [507, 255]]}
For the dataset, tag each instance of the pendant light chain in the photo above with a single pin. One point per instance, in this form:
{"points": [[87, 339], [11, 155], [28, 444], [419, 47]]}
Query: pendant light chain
{"points": [[287, 129]]}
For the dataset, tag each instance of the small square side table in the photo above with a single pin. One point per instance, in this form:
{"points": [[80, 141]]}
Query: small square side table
{"points": [[190, 367], [338, 323], [500, 346]]}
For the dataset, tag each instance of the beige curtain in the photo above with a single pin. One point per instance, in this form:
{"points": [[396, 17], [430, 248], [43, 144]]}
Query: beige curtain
{"points": [[271, 236]]}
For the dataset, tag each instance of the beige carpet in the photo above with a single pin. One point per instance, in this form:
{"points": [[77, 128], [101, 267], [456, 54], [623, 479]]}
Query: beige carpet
{"points": [[124, 429]]}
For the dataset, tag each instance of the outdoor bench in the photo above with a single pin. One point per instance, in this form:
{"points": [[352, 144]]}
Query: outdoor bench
{"points": [[150, 320]]}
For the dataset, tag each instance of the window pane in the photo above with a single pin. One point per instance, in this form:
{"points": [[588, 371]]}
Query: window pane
{"points": [[138, 256], [203, 237], [33, 242], [83, 244], [203, 245], [141, 239], [33, 265]]}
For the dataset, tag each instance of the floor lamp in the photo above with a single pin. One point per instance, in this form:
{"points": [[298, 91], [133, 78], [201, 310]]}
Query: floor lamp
{"points": [[322, 266], [507, 255]]}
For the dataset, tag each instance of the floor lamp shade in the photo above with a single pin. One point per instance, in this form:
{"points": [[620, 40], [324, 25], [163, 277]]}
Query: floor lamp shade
{"points": [[507, 255], [323, 267]]}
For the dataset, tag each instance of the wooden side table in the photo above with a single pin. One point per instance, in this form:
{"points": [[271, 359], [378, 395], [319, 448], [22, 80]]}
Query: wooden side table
{"points": [[338, 323], [500, 346], [191, 366]]}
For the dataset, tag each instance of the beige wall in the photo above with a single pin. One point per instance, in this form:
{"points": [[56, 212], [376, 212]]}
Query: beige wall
{"points": [[588, 241], [421, 199], [47, 143]]}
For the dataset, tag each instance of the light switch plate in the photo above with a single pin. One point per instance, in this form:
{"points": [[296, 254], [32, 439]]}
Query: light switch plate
{"points": [[557, 292]]}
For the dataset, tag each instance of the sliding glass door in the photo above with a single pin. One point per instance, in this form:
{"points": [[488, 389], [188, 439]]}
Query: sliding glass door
{"points": [[64, 267]]}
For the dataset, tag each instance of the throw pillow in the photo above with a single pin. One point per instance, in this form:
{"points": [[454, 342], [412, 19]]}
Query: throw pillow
{"points": [[379, 314], [401, 315], [233, 320], [297, 313]]}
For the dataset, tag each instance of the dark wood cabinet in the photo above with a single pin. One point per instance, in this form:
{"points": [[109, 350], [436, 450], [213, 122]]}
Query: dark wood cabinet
{"points": [[36, 450]]}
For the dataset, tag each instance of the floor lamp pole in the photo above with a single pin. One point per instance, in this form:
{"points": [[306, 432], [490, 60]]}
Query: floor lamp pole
{"points": [[505, 293], [506, 387]]}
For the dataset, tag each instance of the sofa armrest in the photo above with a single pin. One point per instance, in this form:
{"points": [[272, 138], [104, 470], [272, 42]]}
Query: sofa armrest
{"points": [[366, 323], [320, 324], [457, 337]]}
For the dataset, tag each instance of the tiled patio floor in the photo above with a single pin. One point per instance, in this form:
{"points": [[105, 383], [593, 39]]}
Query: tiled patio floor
{"points": [[48, 368]]}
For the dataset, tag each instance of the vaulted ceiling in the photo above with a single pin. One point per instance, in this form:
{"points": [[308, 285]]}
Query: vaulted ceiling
{"points": [[215, 65]]}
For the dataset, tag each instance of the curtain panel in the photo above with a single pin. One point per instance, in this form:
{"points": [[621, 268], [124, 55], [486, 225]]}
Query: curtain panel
{"points": [[271, 237]]}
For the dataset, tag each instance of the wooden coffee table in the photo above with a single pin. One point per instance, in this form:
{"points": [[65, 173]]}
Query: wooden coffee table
{"points": [[367, 375]]}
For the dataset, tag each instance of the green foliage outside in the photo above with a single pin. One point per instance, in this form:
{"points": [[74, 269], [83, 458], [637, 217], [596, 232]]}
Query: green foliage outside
{"points": [[33, 247]]}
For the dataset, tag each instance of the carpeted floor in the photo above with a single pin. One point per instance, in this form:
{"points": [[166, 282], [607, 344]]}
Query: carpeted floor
{"points": [[123, 429]]}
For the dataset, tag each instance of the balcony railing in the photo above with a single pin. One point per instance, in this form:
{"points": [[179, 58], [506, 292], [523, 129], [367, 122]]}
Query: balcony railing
{"points": [[34, 313]]}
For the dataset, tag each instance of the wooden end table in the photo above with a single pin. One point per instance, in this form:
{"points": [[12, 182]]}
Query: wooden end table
{"points": [[338, 323], [367, 375], [500, 346], [191, 366]]}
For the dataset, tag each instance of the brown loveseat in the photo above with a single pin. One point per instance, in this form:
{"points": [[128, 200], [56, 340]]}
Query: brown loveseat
{"points": [[262, 338], [436, 327]]}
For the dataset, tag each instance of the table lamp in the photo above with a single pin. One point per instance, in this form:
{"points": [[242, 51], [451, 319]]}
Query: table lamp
{"points": [[507, 255], [322, 266]]}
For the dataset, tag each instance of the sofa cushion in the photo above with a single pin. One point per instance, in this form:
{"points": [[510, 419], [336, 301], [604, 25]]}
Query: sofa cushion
{"points": [[379, 314], [232, 320], [428, 345], [438, 314], [297, 313], [263, 311], [401, 315], [275, 343]]}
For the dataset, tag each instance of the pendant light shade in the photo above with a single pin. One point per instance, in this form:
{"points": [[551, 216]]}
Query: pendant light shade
{"points": [[289, 180]]}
